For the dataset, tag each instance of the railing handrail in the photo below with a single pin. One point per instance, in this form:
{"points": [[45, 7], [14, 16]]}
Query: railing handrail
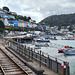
{"points": [[45, 54]]}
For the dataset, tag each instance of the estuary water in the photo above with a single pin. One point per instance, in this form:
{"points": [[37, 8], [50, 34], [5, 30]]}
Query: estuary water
{"points": [[54, 52]]}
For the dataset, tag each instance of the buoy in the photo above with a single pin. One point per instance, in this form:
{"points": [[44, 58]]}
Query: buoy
{"points": [[70, 47], [65, 46]]}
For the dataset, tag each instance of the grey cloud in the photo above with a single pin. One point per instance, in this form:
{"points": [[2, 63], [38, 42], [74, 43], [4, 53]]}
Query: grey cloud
{"points": [[71, 0], [39, 9]]}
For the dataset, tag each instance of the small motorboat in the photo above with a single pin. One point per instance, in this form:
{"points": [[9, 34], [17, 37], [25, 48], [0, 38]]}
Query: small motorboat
{"points": [[60, 50], [69, 52], [41, 44], [37, 47], [42, 40]]}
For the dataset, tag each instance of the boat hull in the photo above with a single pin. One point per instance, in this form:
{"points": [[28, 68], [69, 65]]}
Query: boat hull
{"points": [[69, 52], [42, 41], [60, 50]]}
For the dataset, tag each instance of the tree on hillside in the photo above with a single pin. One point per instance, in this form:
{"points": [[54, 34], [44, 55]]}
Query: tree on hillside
{"points": [[29, 18], [70, 28], [6, 8], [60, 20], [2, 26], [24, 18], [9, 13]]}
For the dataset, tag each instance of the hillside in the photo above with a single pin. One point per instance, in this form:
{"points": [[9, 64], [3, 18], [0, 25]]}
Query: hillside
{"points": [[59, 20]]}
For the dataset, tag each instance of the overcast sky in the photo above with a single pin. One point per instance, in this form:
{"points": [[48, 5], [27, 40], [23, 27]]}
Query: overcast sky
{"points": [[39, 9]]}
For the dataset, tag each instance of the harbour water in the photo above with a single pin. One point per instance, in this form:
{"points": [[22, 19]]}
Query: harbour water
{"points": [[69, 58], [54, 52]]}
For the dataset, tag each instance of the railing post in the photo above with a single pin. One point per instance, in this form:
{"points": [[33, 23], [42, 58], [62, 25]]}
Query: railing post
{"points": [[19, 48], [42, 54], [22, 49], [40, 58], [48, 61], [67, 69], [64, 70], [25, 50], [57, 64], [32, 53], [51, 64], [29, 51], [45, 62]]}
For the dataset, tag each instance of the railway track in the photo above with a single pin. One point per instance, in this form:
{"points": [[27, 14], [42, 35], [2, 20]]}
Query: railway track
{"points": [[9, 67], [1, 71]]}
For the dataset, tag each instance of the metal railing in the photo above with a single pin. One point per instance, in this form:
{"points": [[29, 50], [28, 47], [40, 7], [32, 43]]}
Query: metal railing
{"points": [[49, 61]]}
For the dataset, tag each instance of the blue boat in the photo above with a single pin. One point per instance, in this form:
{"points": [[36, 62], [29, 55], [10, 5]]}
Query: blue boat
{"points": [[69, 52]]}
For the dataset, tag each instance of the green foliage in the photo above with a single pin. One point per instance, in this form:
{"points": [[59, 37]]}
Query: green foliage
{"points": [[19, 29], [20, 17], [1, 30], [11, 29], [9, 13], [70, 28], [6, 8], [59, 20], [11, 19], [73, 31], [2, 26]]}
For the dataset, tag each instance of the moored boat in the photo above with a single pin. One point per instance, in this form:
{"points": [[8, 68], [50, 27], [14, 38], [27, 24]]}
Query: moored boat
{"points": [[60, 50], [70, 52], [37, 47], [41, 44], [42, 40]]}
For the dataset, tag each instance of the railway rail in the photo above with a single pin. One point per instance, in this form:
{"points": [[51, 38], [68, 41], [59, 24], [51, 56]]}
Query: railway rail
{"points": [[8, 66], [1, 71]]}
